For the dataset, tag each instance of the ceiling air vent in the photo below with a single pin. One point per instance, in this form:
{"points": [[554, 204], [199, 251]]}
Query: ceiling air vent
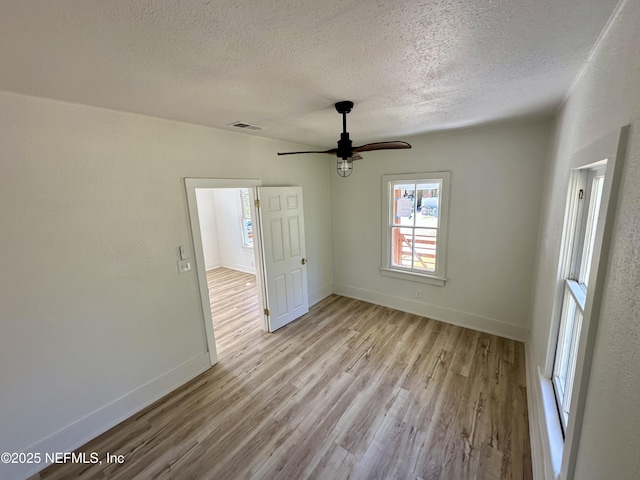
{"points": [[246, 126]]}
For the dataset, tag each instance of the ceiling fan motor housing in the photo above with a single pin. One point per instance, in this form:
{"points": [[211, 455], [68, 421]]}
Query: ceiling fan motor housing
{"points": [[344, 146]]}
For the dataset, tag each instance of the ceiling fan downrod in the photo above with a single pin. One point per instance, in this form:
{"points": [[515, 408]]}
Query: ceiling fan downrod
{"points": [[344, 150]]}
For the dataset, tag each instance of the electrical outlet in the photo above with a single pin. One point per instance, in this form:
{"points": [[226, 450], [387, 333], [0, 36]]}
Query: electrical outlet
{"points": [[418, 293]]}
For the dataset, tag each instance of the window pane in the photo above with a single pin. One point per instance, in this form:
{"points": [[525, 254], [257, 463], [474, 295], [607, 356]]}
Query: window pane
{"points": [[590, 233], [564, 342], [424, 255], [401, 247], [571, 367], [428, 204], [564, 366], [247, 232], [404, 204]]}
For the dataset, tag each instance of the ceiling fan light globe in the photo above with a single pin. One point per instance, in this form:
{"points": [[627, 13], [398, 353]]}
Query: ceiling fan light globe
{"points": [[344, 167]]}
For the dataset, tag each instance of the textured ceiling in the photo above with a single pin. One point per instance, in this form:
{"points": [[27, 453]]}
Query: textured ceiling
{"points": [[409, 66]]}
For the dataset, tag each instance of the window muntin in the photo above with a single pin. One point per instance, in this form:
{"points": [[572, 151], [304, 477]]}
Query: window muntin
{"points": [[415, 214]]}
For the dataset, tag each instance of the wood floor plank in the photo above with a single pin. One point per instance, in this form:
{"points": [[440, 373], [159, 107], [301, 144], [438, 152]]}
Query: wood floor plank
{"points": [[350, 390], [490, 466]]}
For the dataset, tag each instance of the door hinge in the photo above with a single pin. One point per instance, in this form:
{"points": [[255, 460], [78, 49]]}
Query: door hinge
{"points": [[580, 194], [257, 203], [266, 312]]}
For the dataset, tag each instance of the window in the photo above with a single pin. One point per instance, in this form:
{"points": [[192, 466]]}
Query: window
{"points": [[415, 226], [583, 206], [247, 225]]}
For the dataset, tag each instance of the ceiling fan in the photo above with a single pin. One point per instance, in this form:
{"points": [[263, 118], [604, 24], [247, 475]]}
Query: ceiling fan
{"points": [[346, 152]]}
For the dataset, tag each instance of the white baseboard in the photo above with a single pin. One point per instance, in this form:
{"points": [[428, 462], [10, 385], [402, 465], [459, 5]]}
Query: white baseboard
{"points": [[212, 266], [240, 268], [447, 315], [98, 422], [320, 294]]}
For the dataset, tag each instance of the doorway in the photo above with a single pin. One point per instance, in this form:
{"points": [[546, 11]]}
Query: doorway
{"points": [[193, 185], [226, 230], [276, 223]]}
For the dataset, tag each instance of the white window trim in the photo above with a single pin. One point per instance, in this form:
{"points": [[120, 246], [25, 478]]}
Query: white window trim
{"points": [[580, 227], [438, 278], [611, 147]]}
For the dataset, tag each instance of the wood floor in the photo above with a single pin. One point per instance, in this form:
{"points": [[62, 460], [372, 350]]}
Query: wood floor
{"points": [[350, 390], [235, 311]]}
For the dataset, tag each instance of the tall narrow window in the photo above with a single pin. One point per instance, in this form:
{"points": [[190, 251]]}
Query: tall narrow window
{"points": [[247, 225], [581, 216], [414, 224]]}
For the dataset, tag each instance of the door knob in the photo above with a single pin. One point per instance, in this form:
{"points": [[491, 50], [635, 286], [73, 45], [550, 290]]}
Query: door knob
{"points": [[303, 261]]}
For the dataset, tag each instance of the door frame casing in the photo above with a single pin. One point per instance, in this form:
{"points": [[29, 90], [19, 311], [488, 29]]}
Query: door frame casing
{"points": [[191, 184]]}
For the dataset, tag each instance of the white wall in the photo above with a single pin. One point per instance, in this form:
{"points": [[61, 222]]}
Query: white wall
{"points": [[496, 184], [208, 227], [220, 214], [96, 320], [606, 97]]}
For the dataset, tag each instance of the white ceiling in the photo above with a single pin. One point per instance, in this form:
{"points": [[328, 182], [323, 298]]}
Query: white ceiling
{"points": [[409, 66]]}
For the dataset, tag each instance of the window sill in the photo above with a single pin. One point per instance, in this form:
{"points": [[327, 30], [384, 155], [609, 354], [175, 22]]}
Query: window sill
{"points": [[414, 277], [555, 439]]}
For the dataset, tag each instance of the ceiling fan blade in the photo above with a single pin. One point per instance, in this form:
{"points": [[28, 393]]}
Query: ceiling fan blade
{"points": [[397, 145], [356, 156], [333, 150]]}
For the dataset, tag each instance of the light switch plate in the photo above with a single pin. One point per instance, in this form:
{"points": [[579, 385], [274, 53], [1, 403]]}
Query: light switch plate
{"points": [[184, 266]]}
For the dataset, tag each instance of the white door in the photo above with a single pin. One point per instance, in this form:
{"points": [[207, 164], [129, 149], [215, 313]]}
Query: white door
{"points": [[281, 221]]}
